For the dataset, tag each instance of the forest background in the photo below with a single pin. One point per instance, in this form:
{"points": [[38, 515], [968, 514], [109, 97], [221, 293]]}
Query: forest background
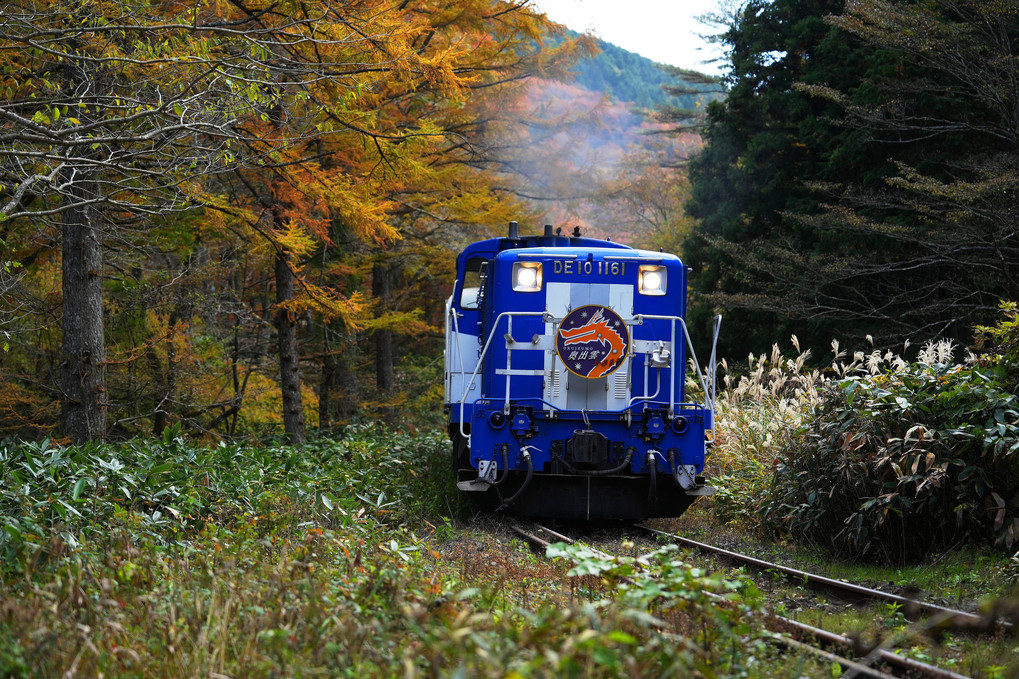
{"points": [[242, 217]]}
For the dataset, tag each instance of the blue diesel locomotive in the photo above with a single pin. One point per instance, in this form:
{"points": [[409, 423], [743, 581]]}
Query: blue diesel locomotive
{"points": [[565, 379]]}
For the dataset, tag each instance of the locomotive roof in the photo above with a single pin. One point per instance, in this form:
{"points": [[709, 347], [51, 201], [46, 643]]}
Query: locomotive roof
{"points": [[558, 245]]}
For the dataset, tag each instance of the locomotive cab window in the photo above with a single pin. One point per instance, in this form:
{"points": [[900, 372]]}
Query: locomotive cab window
{"points": [[474, 278]]}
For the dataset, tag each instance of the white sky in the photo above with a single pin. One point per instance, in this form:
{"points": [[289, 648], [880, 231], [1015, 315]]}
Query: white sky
{"points": [[662, 30]]}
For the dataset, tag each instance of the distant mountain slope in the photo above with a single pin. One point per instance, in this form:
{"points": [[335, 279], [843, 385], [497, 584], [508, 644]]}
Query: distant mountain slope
{"points": [[588, 154], [629, 77]]}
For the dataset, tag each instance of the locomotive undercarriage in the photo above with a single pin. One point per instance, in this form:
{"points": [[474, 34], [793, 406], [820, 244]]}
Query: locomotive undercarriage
{"points": [[572, 497], [584, 476]]}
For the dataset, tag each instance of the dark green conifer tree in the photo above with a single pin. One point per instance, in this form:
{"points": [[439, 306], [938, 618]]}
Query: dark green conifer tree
{"points": [[816, 191]]}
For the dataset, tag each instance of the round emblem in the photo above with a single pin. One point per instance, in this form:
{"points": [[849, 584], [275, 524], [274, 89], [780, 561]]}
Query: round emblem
{"points": [[592, 341]]}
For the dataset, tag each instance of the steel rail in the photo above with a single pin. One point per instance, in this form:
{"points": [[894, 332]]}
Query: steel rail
{"points": [[910, 607], [560, 536], [878, 654], [855, 669], [530, 537]]}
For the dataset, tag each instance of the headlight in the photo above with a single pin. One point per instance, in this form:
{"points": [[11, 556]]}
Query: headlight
{"points": [[527, 276], [652, 279]]}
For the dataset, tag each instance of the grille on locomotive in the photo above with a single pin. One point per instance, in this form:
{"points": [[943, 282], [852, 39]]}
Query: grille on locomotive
{"points": [[565, 379]]}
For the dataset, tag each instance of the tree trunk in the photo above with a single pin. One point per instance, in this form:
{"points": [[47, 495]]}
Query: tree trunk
{"points": [[348, 388], [160, 390], [382, 290], [385, 377], [339, 388], [290, 369], [326, 386], [83, 360]]}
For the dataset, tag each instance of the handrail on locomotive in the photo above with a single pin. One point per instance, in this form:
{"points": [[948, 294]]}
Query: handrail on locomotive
{"points": [[708, 382]]}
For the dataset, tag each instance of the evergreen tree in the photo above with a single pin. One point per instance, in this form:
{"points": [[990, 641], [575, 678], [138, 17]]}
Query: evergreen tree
{"points": [[814, 221], [752, 169]]}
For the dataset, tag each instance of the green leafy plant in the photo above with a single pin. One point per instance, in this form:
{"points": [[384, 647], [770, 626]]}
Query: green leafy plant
{"points": [[53, 495], [709, 616]]}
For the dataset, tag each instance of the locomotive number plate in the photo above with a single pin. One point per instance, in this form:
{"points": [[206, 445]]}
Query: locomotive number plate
{"points": [[588, 267], [592, 341]]}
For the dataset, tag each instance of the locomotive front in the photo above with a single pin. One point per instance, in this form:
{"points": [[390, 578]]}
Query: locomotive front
{"points": [[565, 382]]}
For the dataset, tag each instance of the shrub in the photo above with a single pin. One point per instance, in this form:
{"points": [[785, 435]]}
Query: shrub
{"points": [[912, 459]]}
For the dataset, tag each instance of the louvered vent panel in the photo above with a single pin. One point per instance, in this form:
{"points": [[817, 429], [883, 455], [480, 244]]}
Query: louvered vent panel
{"points": [[619, 380]]}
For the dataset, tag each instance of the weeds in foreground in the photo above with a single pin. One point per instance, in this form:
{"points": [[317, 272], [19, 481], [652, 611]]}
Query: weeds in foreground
{"points": [[693, 609]]}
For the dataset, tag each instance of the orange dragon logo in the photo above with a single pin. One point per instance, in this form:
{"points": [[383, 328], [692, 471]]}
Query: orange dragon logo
{"points": [[592, 341]]}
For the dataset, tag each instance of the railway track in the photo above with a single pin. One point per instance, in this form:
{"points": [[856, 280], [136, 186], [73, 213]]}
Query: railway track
{"points": [[797, 636], [938, 616]]}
